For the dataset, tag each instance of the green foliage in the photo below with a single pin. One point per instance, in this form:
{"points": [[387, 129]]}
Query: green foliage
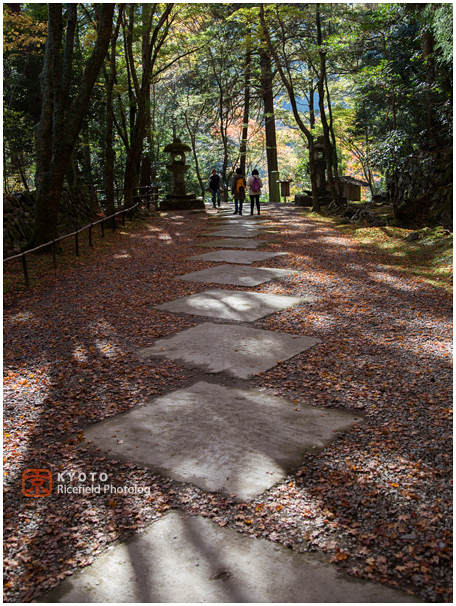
{"points": [[389, 152], [24, 36], [22, 33], [378, 78], [441, 16]]}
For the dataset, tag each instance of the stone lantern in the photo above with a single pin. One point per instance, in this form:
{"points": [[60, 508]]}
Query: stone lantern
{"points": [[179, 199], [320, 176], [320, 165]]}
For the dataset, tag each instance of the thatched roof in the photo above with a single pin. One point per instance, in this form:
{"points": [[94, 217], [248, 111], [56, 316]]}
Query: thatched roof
{"points": [[352, 181]]}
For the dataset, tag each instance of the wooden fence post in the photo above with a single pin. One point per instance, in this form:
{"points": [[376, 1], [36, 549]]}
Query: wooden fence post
{"points": [[24, 267]]}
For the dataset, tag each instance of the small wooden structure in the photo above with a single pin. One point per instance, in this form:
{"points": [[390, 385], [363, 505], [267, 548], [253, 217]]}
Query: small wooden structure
{"points": [[352, 187], [285, 188]]}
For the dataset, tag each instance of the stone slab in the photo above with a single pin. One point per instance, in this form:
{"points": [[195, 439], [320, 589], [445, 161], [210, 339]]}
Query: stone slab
{"points": [[232, 233], [222, 439], [232, 304], [184, 559], [236, 220], [236, 256], [234, 243], [237, 351], [247, 226], [237, 233], [236, 275]]}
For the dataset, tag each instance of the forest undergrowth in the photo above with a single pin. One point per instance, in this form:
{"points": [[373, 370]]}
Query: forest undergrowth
{"points": [[377, 502]]}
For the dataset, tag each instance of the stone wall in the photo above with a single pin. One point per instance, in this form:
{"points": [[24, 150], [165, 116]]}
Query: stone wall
{"points": [[78, 207], [421, 193]]}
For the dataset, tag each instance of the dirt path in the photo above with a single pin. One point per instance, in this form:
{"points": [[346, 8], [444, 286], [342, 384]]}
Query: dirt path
{"points": [[377, 502]]}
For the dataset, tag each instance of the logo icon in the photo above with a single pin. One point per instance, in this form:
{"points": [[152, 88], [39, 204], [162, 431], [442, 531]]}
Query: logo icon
{"points": [[36, 483]]}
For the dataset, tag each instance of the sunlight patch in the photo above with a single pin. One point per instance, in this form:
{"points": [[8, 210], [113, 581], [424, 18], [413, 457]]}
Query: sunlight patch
{"points": [[23, 317], [80, 354], [398, 283], [108, 349]]}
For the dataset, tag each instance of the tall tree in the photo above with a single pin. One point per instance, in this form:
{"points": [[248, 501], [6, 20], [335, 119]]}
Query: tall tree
{"points": [[290, 88], [267, 78], [110, 80], [62, 113], [245, 119], [156, 27], [328, 132]]}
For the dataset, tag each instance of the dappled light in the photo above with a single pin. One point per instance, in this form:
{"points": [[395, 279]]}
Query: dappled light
{"points": [[382, 338], [80, 354], [109, 349], [228, 302]]}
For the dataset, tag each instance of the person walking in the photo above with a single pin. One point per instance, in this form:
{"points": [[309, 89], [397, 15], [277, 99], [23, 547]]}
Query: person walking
{"points": [[254, 184], [238, 191], [215, 186]]}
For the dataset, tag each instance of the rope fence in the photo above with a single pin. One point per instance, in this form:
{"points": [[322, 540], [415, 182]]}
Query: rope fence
{"points": [[23, 256]]}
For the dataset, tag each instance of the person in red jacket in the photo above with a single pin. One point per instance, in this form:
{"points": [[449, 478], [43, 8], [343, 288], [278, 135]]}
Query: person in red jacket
{"points": [[254, 185]]}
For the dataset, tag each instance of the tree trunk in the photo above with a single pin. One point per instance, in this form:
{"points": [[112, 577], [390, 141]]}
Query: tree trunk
{"points": [[87, 161], [269, 118], [428, 57], [311, 107], [61, 121], [290, 90], [110, 80], [130, 180], [139, 89], [245, 119], [333, 180], [197, 168], [335, 159]]}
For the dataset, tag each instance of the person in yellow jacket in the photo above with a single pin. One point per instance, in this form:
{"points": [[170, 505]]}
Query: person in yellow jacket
{"points": [[238, 191]]}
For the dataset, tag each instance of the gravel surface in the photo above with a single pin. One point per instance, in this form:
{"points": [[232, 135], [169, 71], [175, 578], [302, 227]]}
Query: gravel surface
{"points": [[377, 502]]}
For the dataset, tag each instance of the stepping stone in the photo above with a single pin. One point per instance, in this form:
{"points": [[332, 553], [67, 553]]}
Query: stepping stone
{"points": [[232, 304], [235, 256], [238, 227], [226, 225], [238, 221], [238, 224], [238, 351], [222, 439], [239, 276], [238, 233], [187, 559], [234, 243], [232, 233]]}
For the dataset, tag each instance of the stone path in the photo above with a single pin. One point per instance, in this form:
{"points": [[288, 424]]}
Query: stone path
{"points": [[232, 305], [191, 560], [238, 276], [245, 257], [235, 350], [241, 232], [223, 436], [235, 243]]}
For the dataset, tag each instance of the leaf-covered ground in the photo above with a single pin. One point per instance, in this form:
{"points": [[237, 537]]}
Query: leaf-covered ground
{"points": [[377, 502]]}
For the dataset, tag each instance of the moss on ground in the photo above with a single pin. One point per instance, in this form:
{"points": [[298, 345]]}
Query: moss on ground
{"points": [[429, 256]]}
